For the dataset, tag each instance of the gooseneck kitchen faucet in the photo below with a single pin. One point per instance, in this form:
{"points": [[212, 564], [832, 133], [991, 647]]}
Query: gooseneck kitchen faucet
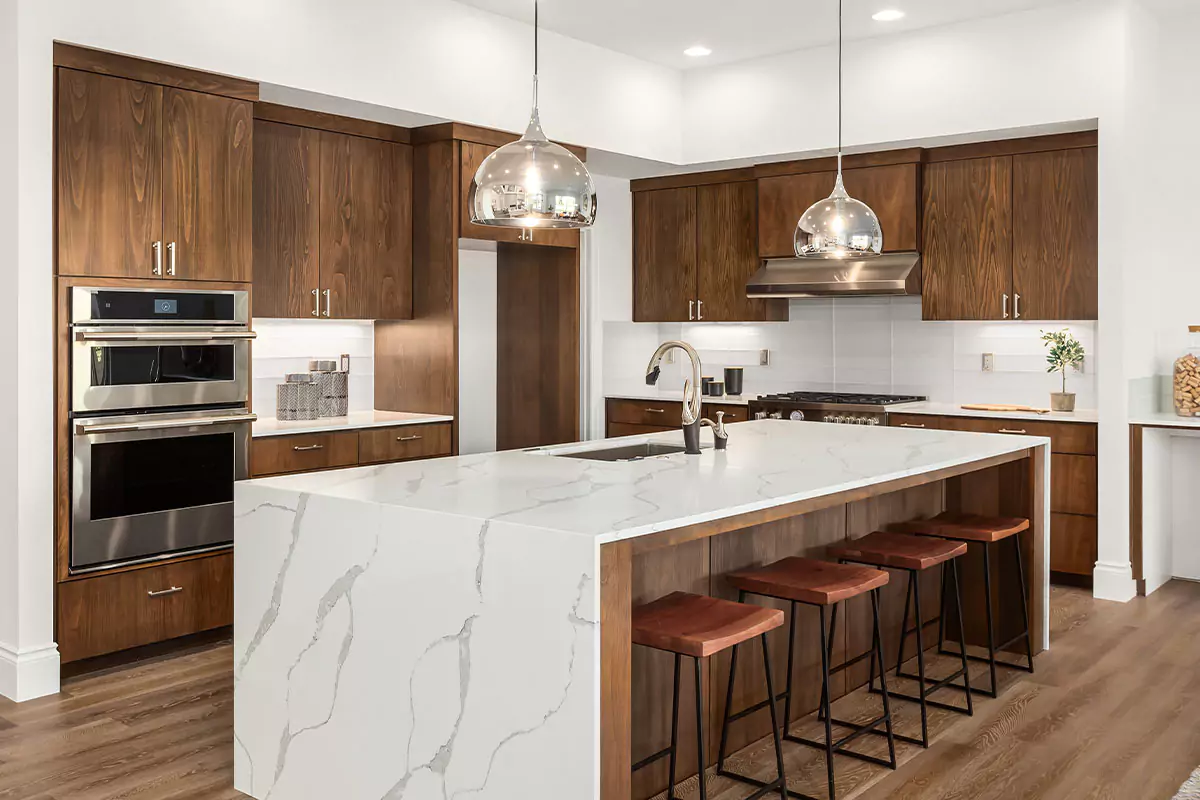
{"points": [[691, 398]]}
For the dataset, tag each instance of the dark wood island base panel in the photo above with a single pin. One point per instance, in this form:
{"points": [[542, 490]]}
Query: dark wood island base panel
{"points": [[635, 687]]}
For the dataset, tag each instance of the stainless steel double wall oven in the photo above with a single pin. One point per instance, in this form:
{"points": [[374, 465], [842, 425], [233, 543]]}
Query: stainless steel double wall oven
{"points": [[160, 385]]}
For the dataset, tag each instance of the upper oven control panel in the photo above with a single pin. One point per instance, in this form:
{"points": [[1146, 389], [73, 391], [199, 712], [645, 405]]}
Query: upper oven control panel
{"points": [[157, 306]]}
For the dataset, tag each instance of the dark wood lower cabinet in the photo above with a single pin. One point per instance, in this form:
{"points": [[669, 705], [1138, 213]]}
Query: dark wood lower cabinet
{"points": [[107, 613], [626, 417], [310, 452]]}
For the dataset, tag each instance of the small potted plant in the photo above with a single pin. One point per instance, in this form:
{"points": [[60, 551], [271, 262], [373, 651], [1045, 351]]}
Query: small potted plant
{"points": [[1065, 352]]}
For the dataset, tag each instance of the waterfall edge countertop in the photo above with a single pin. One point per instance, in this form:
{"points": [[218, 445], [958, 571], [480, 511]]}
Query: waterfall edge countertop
{"points": [[270, 426], [434, 628]]}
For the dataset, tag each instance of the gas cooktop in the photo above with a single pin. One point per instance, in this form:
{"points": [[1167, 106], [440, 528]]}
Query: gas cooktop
{"points": [[839, 407], [841, 398]]}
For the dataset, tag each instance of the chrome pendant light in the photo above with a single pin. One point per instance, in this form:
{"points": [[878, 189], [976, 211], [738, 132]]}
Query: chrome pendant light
{"points": [[839, 226], [533, 182]]}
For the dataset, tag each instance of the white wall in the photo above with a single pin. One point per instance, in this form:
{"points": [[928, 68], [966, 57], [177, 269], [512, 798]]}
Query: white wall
{"points": [[476, 351], [287, 345]]}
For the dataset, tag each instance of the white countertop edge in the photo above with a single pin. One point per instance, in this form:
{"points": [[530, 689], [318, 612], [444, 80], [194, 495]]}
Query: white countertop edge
{"points": [[1166, 419], [270, 426], [1088, 415]]}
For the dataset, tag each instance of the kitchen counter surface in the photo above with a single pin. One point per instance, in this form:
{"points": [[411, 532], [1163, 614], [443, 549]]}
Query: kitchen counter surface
{"points": [[956, 410], [677, 397], [1165, 419], [270, 426]]}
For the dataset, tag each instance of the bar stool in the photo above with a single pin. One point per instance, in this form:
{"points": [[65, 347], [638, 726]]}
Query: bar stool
{"points": [[985, 531], [914, 555], [697, 626], [823, 584]]}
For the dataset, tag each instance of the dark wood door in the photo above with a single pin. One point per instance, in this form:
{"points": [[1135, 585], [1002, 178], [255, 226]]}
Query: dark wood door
{"points": [[286, 223], [664, 255], [366, 228], [109, 175], [208, 188], [727, 254], [781, 201], [1055, 235], [967, 239], [473, 154]]}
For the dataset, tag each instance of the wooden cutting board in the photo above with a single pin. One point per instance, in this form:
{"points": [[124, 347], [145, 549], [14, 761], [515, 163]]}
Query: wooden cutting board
{"points": [[1023, 409]]}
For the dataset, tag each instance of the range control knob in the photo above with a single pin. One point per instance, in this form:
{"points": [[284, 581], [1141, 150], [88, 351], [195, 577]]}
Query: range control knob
{"points": [[797, 416], [873, 421], [837, 420], [776, 415], [860, 420]]}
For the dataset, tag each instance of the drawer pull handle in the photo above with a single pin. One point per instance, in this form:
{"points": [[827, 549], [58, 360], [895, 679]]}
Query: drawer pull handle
{"points": [[307, 447], [1006, 430], [165, 592], [408, 438], [910, 425], [656, 410]]}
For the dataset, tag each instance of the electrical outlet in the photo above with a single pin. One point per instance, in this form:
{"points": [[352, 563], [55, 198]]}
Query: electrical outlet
{"points": [[764, 358], [989, 362]]}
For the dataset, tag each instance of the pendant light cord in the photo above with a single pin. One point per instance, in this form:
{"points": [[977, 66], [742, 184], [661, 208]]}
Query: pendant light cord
{"points": [[839, 87], [535, 37]]}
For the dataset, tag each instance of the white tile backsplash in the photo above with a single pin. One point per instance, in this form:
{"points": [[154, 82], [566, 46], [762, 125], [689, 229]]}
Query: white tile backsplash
{"points": [[287, 345], [870, 344]]}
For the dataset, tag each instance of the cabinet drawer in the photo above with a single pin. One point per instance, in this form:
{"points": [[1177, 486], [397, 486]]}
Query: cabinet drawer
{"points": [[279, 455], [1073, 484], [646, 412], [108, 613], [615, 429], [1073, 544], [1078, 438], [915, 421], [732, 413], [377, 445]]}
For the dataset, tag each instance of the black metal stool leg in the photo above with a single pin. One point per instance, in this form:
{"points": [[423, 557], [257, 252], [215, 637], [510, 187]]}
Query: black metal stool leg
{"points": [[904, 626], [791, 675], [825, 695], [733, 660], [1024, 601], [832, 632], [920, 624], [887, 708], [783, 792], [674, 728], [942, 612], [991, 635], [962, 636], [700, 759]]}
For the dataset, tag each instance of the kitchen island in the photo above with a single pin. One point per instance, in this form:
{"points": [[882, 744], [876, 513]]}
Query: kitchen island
{"points": [[459, 627]]}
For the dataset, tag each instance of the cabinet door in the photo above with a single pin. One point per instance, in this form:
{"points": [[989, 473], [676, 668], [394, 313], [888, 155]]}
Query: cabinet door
{"points": [[664, 254], [208, 187], [109, 175], [781, 201], [727, 255], [473, 154], [366, 228], [967, 235], [286, 224], [1055, 234]]}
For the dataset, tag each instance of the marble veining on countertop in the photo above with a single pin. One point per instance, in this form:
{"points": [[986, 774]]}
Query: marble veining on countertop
{"points": [[768, 463], [270, 426], [956, 410]]}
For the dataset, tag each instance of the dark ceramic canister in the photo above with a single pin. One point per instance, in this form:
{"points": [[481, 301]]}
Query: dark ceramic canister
{"points": [[733, 381]]}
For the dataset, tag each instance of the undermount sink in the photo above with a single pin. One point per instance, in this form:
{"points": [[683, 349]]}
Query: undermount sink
{"points": [[626, 452]]}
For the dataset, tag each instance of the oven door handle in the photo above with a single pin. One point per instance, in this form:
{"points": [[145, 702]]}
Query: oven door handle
{"points": [[84, 429], [164, 336]]}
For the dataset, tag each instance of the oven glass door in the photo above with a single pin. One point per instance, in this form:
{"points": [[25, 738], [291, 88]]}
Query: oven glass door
{"points": [[153, 491], [156, 370]]}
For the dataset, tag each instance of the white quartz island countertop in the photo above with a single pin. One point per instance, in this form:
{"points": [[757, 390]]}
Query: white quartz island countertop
{"points": [[431, 629]]}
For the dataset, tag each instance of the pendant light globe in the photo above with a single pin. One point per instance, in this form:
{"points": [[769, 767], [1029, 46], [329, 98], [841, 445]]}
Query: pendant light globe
{"points": [[533, 182]]}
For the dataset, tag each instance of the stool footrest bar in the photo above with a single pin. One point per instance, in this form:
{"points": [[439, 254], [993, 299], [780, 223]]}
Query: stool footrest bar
{"points": [[651, 759]]}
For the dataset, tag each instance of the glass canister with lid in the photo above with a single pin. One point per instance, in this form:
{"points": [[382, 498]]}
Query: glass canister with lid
{"points": [[1187, 377]]}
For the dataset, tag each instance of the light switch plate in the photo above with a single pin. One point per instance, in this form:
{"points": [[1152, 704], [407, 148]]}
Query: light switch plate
{"points": [[989, 362]]}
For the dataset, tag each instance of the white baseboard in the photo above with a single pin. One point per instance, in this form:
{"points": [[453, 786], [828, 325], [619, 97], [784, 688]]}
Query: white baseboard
{"points": [[28, 674], [1113, 582]]}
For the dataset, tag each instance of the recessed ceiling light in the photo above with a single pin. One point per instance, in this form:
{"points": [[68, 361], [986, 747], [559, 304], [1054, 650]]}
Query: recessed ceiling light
{"points": [[887, 15], [697, 51]]}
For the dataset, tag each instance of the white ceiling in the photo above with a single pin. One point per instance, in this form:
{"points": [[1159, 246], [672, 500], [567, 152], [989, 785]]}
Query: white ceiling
{"points": [[659, 30]]}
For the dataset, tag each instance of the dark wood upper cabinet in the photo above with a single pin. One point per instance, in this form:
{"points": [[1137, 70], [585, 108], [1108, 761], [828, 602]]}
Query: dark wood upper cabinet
{"points": [[727, 254], [967, 239], [207, 186], [473, 155], [286, 224], [365, 227], [1055, 235], [109, 175], [664, 255], [891, 191]]}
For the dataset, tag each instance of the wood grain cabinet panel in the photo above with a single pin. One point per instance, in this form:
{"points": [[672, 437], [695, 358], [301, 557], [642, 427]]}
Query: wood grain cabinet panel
{"points": [[1073, 484], [727, 255], [644, 412], [473, 155], [365, 227], [781, 201], [967, 239], [1055, 234], [279, 455], [377, 445], [1073, 544], [208, 190], [733, 413], [107, 613], [286, 220], [109, 175], [664, 254]]}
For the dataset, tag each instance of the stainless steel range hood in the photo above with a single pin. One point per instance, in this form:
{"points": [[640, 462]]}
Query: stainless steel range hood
{"points": [[888, 274]]}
